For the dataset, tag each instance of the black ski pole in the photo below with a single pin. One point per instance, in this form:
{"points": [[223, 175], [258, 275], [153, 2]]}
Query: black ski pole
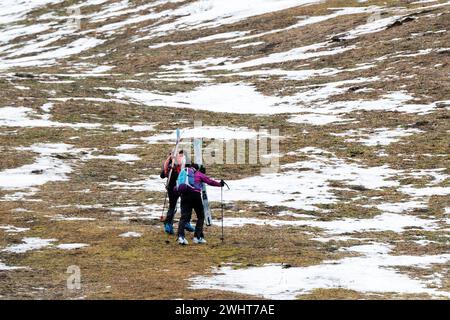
{"points": [[164, 206], [221, 204]]}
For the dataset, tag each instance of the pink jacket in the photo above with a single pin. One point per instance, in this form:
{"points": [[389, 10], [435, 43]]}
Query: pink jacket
{"points": [[200, 178]]}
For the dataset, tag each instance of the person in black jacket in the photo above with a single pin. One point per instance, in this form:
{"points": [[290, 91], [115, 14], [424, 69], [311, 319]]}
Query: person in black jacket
{"points": [[171, 169]]}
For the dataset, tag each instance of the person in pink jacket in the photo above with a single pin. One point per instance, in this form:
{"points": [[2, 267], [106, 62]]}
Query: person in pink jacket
{"points": [[191, 198]]}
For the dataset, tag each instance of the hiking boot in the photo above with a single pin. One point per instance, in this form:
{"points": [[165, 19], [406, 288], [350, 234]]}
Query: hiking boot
{"points": [[199, 240], [189, 227], [168, 228], [182, 241]]}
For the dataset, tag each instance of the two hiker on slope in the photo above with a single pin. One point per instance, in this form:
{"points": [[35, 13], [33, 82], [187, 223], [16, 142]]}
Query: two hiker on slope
{"points": [[171, 170], [188, 185]]}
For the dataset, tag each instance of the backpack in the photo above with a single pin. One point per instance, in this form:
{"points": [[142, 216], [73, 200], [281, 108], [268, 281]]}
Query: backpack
{"points": [[186, 180]]}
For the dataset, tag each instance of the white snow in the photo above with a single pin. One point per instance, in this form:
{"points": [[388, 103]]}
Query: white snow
{"points": [[135, 128], [242, 98], [374, 272], [92, 99], [287, 74], [437, 175], [4, 267], [316, 119], [20, 196], [425, 192], [14, 10], [60, 217], [250, 44], [112, 10], [214, 13], [147, 9], [29, 244], [71, 246], [50, 57], [305, 21], [53, 169], [127, 146], [144, 211], [123, 157], [380, 136], [47, 107], [208, 132], [401, 207], [383, 222], [394, 101], [27, 117], [13, 229], [10, 33], [130, 234], [376, 25], [300, 185], [219, 36], [313, 180], [227, 97], [302, 53]]}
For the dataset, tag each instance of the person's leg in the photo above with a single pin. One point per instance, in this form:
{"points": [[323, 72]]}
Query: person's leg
{"points": [[186, 212], [200, 212], [173, 199]]}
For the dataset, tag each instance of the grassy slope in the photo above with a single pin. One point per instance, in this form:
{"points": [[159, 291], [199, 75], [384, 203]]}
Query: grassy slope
{"points": [[146, 267]]}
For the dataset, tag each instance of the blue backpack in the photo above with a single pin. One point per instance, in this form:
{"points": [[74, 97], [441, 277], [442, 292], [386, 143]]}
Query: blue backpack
{"points": [[185, 181]]}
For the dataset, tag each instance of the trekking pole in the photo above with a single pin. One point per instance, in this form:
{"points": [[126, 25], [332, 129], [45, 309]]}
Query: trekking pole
{"points": [[164, 207], [162, 216], [221, 204]]}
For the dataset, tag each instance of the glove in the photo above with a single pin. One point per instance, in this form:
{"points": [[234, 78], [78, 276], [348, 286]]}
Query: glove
{"points": [[222, 183]]}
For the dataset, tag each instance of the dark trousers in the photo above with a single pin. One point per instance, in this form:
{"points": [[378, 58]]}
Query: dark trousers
{"points": [[189, 201], [173, 198]]}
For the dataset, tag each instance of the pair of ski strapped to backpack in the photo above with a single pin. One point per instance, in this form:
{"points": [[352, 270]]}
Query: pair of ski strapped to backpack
{"points": [[185, 181]]}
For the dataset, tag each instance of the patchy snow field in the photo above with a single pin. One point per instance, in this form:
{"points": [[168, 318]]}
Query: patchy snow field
{"points": [[373, 272], [91, 93]]}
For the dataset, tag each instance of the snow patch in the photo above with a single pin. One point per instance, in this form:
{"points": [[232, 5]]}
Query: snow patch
{"points": [[226, 97], [383, 222], [29, 244], [374, 272], [379, 136], [4, 267], [208, 132], [71, 246], [13, 229], [46, 168], [135, 128], [26, 117], [65, 218], [130, 234]]}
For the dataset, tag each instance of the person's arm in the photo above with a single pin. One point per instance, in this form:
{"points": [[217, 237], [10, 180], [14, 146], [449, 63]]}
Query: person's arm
{"points": [[166, 167], [204, 178]]}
